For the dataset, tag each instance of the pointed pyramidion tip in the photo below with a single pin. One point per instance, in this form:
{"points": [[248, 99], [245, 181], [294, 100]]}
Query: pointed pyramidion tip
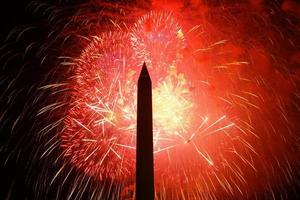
{"points": [[144, 73]]}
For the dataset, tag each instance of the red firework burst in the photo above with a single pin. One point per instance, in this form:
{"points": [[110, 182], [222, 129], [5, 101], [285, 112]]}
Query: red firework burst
{"points": [[226, 99], [212, 110]]}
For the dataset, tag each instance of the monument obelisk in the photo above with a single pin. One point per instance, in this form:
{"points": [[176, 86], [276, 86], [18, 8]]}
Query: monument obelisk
{"points": [[144, 140]]}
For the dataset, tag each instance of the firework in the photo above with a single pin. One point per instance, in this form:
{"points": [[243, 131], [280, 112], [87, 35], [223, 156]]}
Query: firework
{"points": [[225, 101]]}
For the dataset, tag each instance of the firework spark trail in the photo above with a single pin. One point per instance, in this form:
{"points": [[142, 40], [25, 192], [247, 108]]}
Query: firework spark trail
{"points": [[221, 100]]}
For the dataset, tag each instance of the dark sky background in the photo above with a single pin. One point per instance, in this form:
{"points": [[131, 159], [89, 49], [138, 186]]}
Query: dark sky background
{"points": [[13, 13], [13, 174], [13, 180], [13, 171]]}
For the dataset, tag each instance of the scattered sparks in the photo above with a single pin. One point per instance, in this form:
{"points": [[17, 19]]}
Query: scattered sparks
{"points": [[222, 100]]}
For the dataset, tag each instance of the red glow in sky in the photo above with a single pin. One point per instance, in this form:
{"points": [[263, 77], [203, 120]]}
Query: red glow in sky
{"points": [[220, 99]]}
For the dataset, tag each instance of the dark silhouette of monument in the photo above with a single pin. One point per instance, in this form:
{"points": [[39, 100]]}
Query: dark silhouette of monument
{"points": [[144, 142]]}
